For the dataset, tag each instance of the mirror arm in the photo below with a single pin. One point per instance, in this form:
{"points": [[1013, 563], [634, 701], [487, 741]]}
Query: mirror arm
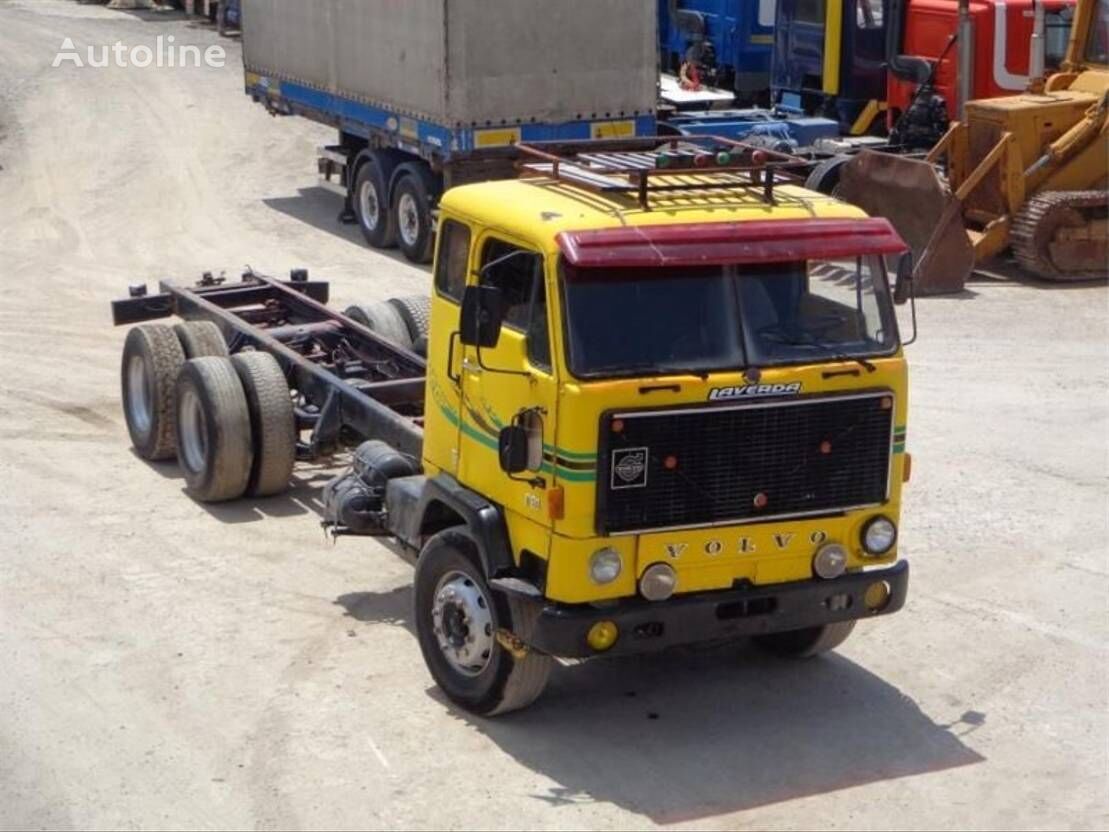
{"points": [[912, 307]]}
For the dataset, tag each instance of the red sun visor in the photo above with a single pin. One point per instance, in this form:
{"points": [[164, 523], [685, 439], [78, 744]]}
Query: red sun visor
{"points": [[759, 241]]}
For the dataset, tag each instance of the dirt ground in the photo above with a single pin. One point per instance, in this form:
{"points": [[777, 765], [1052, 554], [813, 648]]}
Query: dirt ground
{"points": [[167, 664]]}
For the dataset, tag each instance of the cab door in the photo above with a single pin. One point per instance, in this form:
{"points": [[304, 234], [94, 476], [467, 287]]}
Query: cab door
{"points": [[511, 382], [443, 398]]}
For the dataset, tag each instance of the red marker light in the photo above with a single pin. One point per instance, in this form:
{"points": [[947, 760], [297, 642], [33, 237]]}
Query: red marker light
{"points": [[671, 462], [825, 447], [761, 501]]}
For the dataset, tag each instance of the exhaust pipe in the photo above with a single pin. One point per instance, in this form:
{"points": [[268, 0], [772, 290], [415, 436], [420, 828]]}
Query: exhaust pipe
{"points": [[965, 86], [1037, 58]]}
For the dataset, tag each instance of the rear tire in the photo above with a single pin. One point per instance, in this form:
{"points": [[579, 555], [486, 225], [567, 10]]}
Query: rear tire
{"points": [[416, 312], [385, 320], [804, 644], [214, 443], [152, 358], [201, 339], [370, 199], [412, 217], [487, 680], [272, 422]]}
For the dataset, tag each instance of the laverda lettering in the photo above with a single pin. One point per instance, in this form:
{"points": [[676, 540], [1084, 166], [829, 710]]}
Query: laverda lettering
{"points": [[754, 391]]}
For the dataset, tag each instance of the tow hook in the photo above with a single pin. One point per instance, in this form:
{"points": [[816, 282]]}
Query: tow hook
{"points": [[513, 644]]}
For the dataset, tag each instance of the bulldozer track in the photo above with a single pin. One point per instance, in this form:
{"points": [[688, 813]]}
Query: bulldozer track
{"points": [[1036, 223]]}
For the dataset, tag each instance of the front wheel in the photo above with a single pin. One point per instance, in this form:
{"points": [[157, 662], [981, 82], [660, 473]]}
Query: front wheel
{"points": [[457, 621], [803, 644]]}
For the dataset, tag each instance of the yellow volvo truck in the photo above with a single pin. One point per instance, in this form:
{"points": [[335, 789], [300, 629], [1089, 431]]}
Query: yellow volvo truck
{"points": [[657, 397]]}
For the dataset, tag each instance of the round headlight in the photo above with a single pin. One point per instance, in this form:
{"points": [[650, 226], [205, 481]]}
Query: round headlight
{"points": [[605, 566], [830, 562], [879, 535], [658, 582]]}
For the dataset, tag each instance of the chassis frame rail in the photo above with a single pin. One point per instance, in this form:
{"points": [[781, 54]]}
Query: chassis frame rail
{"points": [[352, 384]]}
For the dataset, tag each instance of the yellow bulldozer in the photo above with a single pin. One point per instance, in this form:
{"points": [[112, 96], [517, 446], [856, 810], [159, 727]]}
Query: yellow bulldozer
{"points": [[1027, 172]]}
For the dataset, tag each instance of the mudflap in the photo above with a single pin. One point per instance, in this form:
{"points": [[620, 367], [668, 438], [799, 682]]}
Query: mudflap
{"points": [[909, 193]]}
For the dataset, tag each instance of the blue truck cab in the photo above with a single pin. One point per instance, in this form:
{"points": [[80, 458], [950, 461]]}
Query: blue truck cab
{"points": [[829, 59], [731, 40]]}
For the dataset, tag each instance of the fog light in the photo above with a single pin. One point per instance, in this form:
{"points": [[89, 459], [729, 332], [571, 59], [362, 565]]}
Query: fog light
{"points": [[605, 566], [830, 562], [877, 596], [603, 635], [879, 535], [658, 582]]}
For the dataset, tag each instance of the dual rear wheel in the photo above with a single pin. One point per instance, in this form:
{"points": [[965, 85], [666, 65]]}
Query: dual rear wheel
{"points": [[229, 420], [397, 216]]}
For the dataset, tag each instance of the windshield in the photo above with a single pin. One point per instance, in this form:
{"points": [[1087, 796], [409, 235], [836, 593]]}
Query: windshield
{"points": [[1097, 47], [623, 322]]}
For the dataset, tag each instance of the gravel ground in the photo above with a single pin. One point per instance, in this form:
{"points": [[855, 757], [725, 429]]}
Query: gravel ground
{"points": [[166, 664]]}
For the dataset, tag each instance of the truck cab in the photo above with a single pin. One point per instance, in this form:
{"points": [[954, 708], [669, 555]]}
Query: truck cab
{"points": [[692, 416]]}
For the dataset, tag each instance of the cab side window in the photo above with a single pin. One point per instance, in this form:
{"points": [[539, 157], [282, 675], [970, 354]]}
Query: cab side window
{"points": [[809, 11], [454, 256], [519, 276]]}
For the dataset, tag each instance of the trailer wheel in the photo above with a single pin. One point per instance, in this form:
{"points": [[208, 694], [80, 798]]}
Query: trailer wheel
{"points": [[803, 644], [384, 319], [412, 216], [214, 443], [457, 621], [201, 339], [371, 206], [416, 312], [152, 358], [272, 422]]}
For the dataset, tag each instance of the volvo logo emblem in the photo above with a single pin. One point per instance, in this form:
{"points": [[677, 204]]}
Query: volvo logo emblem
{"points": [[629, 468]]}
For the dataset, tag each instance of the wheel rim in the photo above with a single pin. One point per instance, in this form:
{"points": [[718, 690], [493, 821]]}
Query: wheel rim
{"points": [[193, 439], [139, 395], [408, 216], [370, 208], [463, 623]]}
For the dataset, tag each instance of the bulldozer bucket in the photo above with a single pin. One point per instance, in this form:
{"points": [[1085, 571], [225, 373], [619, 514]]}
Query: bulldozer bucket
{"points": [[909, 193]]}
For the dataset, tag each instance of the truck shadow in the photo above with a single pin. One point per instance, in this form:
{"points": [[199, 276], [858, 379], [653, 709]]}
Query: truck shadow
{"points": [[695, 733], [320, 209], [304, 495]]}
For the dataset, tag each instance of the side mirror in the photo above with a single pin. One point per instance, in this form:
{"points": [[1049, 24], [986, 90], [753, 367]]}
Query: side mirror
{"points": [[903, 286], [513, 448], [482, 316]]}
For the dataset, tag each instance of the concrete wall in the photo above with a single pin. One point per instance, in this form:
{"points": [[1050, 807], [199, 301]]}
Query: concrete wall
{"points": [[464, 61]]}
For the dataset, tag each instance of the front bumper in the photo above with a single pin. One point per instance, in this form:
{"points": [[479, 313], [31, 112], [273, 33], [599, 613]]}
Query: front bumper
{"points": [[561, 630]]}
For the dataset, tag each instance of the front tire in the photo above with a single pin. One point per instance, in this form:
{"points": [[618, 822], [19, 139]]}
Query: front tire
{"points": [[804, 644], [457, 619]]}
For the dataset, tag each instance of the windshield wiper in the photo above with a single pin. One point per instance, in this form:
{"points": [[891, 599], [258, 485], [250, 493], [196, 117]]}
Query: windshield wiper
{"points": [[829, 350], [657, 370]]}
